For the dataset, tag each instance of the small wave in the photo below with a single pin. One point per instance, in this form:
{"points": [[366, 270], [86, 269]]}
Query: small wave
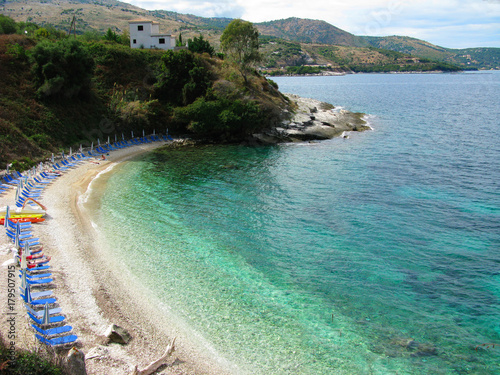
{"points": [[83, 198], [368, 119]]}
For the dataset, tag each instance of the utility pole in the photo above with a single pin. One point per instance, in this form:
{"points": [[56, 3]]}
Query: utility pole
{"points": [[72, 26]]}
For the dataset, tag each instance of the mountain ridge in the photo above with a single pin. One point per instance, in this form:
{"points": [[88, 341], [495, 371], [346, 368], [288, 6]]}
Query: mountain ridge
{"points": [[100, 15]]}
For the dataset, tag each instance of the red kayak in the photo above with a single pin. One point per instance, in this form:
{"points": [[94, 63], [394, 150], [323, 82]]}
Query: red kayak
{"points": [[23, 220]]}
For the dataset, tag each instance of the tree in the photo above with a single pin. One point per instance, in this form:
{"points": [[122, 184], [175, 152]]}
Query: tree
{"points": [[182, 78], [240, 43], [111, 36], [200, 45]]}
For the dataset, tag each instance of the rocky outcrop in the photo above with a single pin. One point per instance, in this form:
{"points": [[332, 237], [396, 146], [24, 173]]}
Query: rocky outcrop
{"points": [[313, 120]]}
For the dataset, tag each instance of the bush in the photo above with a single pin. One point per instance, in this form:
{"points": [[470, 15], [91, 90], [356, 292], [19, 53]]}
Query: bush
{"points": [[62, 68], [220, 117], [7, 25], [25, 363]]}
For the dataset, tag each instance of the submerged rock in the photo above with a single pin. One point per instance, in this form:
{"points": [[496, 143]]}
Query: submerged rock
{"points": [[417, 349]]}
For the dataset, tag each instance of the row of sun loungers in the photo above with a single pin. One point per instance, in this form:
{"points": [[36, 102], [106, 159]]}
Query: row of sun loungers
{"points": [[34, 271], [48, 321]]}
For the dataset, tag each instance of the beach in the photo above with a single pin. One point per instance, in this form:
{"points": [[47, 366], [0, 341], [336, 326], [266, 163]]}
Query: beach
{"points": [[93, 292]]}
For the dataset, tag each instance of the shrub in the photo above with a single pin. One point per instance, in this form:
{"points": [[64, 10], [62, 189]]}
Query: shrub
{"points": [[200, 45], [7, 25]]}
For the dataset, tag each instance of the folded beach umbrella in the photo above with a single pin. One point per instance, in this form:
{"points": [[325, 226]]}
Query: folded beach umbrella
{"points": [[24, 262], [27, 294], [62, 154], [23, 279], [46, 315], [18, 231], [115, 138], [154, 131], [70, 152], [108, 139], [52, 159], [143, 132], [132, 133], [7, 215], [81, 148], [123, 137], [92, 147]]}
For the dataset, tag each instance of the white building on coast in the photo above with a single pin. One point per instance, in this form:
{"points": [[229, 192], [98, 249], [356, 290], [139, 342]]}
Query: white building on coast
{"points": [[146, 34]]}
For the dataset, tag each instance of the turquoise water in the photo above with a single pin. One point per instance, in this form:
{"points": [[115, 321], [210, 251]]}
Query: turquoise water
{"points": [[379, 254]]}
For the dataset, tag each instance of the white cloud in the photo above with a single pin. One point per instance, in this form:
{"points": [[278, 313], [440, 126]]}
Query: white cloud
{"points": [[450, 23]]}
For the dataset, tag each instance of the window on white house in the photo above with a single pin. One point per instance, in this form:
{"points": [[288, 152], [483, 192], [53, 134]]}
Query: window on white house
{"points": [[161, 40], [140, 28], [134, 41]]}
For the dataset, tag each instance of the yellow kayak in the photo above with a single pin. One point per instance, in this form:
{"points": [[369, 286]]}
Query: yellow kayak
{"points": [[18, 213]]}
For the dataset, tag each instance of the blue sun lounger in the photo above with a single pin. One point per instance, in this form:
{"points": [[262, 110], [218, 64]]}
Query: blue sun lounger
{"points": [[35, 282], [37, 276], [58, 340], [52, 319], [45, 293], [49, 176], [39, 314], [52, 331], [38, 302]]}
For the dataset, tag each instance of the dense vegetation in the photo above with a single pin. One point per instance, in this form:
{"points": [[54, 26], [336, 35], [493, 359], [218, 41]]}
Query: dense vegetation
{"points": [[59, 91], [22, 362]]}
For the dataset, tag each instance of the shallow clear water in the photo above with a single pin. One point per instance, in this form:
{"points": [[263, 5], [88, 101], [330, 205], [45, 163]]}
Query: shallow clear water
{"points": [[374, 255]]}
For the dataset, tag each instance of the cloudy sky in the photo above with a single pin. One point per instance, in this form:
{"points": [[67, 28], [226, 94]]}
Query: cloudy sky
{"points": [[448, 23]]}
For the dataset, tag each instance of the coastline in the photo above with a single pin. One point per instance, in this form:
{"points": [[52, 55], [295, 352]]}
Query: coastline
{"points": [[93, 293]]}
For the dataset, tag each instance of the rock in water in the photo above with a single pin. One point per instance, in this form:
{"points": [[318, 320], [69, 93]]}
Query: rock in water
{"points": [[117, 334]]}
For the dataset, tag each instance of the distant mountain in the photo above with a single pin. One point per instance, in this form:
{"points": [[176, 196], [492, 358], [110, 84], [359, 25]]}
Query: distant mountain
{"points": [[481, 57], [310, 31], [99, 15]]}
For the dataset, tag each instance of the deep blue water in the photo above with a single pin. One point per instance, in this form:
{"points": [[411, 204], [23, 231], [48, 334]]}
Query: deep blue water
{"points": [[379, 254]]}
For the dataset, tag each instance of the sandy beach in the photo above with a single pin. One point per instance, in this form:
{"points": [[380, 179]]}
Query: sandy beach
{"points": [[93, 293]]}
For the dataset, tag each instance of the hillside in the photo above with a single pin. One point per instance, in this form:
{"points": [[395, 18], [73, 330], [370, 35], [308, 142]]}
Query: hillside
{"points": [[487, 58], [310, 31], [45, 107], [100, 15]]}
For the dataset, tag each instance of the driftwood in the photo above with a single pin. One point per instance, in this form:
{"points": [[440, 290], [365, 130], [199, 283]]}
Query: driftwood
{"points": [[153, 366]]}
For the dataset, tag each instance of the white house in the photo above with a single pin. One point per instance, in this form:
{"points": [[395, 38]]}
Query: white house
{"points": [[146, 34]]}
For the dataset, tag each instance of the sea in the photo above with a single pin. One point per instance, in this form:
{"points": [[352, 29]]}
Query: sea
{"points": [[373, 254]]}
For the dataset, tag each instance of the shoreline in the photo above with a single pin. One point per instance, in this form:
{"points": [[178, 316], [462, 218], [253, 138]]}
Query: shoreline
{"points": [[94, 294]]}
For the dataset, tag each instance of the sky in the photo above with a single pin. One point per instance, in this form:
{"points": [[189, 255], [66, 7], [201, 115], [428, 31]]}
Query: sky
{"points": [[447, 23]]}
